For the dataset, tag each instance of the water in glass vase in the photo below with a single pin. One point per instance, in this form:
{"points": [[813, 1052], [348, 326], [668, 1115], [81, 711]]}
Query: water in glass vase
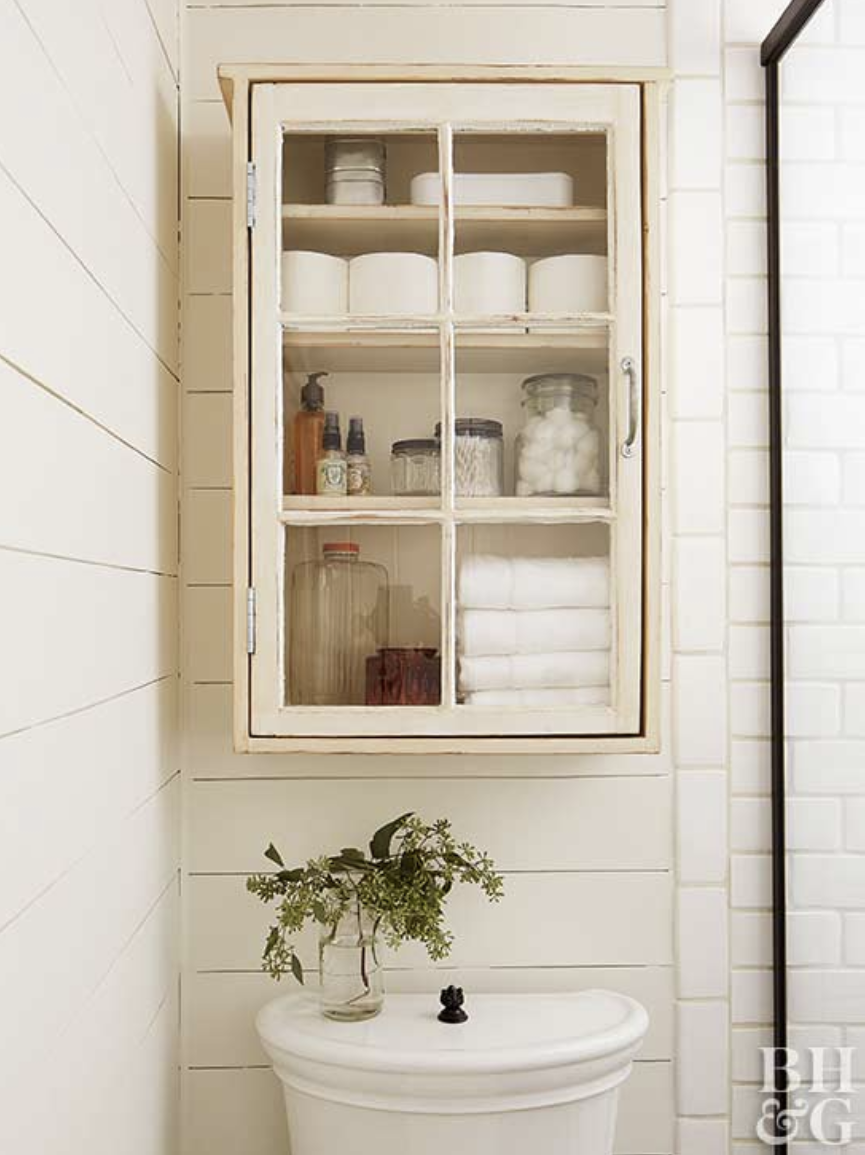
{"points": [[352, 985]]}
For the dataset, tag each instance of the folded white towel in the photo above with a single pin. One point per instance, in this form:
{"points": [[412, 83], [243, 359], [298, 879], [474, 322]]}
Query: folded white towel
{"points": [[549, 699], [533, 631], [531, 671], [532, 583]]}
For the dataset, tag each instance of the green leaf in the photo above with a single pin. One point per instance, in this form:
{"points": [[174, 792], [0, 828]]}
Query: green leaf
{"points": [[352, 854], [272, 940], [273, 854], [319, 912], [297, 968], [379, 847], [291, 875]]}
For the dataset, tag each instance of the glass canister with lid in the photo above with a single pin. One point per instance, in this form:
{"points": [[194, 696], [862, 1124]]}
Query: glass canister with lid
{"points": [[415, 467], [339, 610], [558, 449], [478, 457]]}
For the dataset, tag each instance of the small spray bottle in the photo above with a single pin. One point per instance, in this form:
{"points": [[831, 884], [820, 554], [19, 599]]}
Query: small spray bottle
{"points": [[331, 470], [359, 476]]}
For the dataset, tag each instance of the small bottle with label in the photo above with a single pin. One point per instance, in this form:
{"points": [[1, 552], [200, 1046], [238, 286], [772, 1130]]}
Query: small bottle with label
{"points": [[359, 475], [331, 476]]}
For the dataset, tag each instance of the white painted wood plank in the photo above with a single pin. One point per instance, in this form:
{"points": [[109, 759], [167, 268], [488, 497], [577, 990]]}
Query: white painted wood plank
{"points": [[543, 824], [120, 1036], [79, 491], [80, 929], [221, 1008], [207, 536], [207, 150], [499, 35], [74, 340], [207, 346], [207, 634], [590, 919], [143, 1110], [137, 122], [210, 753], [87, 208], [243, 1110], [74, 634], [207, 440], [207, 233], [166, 17], [118, 80], [120, 753]]}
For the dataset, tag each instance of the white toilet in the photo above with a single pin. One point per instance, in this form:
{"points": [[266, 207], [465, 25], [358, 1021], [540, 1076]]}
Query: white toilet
{"points": [[526, 1075]]}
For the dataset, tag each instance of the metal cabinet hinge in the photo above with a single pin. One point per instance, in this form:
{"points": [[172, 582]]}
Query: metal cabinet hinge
{"points": [[250, 620], [250, 195]]}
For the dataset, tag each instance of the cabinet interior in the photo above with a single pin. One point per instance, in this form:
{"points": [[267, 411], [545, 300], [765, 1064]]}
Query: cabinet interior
{"points": [[417, 375]]}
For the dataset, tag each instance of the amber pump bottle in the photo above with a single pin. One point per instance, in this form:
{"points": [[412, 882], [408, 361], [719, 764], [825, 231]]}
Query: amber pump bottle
{"points": [[307, 434]]}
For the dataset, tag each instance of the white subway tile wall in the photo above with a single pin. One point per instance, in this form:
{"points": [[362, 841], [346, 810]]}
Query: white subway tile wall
{"points": [[823, 129]]}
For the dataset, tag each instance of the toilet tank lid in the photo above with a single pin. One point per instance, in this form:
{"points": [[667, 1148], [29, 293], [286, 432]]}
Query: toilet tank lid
{"points": [[504, 1032]]}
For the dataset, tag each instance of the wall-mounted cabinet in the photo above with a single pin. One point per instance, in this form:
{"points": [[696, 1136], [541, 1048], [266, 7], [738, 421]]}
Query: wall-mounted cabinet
{"points": [[468, 266]]}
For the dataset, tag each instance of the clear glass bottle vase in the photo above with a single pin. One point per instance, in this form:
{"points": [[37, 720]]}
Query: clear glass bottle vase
{"points": [[352, 983]]}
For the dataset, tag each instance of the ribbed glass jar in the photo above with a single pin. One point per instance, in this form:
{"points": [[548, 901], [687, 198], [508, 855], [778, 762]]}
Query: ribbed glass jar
{"points": [[338, 618]]}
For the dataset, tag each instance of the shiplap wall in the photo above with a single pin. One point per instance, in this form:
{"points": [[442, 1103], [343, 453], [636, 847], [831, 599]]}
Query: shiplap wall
{"points": [[89, 764], [586, 843]]}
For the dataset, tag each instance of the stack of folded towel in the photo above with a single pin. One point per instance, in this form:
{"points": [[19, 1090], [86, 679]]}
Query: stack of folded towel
{"points": [[534, 631]]}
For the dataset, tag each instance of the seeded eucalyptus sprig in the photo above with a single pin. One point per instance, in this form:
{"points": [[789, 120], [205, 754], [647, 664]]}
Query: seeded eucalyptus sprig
{"points": [[401, 885]]}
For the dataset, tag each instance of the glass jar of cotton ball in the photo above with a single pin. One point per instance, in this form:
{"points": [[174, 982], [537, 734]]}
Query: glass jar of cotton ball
{"points": [[558, 448]]}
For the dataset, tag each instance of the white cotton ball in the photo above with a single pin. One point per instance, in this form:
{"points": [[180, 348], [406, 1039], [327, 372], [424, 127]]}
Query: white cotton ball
{"points": [[524, 489], [559, 416], [591, 439], [585, 458], [566, 480], [546, 433], [566, 437], [532, 451], [531, 427], [532, 472], [592, 482], [544, 483]]}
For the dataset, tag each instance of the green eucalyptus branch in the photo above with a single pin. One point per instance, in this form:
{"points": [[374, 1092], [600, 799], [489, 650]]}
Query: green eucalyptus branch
{"points": [[403, 884]]}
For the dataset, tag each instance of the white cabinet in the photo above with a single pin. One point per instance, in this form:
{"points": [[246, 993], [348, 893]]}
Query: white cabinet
{"points": [[512, 604]]}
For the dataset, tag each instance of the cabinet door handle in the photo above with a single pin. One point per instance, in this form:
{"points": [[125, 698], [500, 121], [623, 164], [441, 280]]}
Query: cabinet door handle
{"points": [[629, 368]]}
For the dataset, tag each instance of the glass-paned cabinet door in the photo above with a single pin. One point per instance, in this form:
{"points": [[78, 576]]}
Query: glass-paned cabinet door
{"points": [[447, 482]]}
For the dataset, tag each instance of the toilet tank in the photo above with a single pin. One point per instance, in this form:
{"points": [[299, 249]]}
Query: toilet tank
{"points": [[525, 1074]]}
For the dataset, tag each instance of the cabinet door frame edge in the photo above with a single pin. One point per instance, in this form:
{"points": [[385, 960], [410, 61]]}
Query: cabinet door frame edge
{"points": [[654, 85]]}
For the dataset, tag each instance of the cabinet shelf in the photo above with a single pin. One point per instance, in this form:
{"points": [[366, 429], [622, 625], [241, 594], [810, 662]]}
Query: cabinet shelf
{"points": [[409, 351], [413, 510], [352, 229]]}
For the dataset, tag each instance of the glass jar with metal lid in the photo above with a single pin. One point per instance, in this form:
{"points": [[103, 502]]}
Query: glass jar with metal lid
{"points": [[478, 457], [558, 448], [415, 467]]}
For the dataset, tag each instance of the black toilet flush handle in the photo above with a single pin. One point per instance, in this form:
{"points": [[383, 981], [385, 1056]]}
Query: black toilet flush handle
{"points": [[452, 1000]]}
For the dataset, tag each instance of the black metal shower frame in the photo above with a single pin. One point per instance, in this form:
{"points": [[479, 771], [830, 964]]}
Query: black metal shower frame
{"points": [[779, 41]]}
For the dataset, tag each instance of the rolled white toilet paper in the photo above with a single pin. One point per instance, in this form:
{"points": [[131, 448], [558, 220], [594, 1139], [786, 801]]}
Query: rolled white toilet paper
{"points": [[314, 284], [398, 284], [573, 283], [489, 283]]}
